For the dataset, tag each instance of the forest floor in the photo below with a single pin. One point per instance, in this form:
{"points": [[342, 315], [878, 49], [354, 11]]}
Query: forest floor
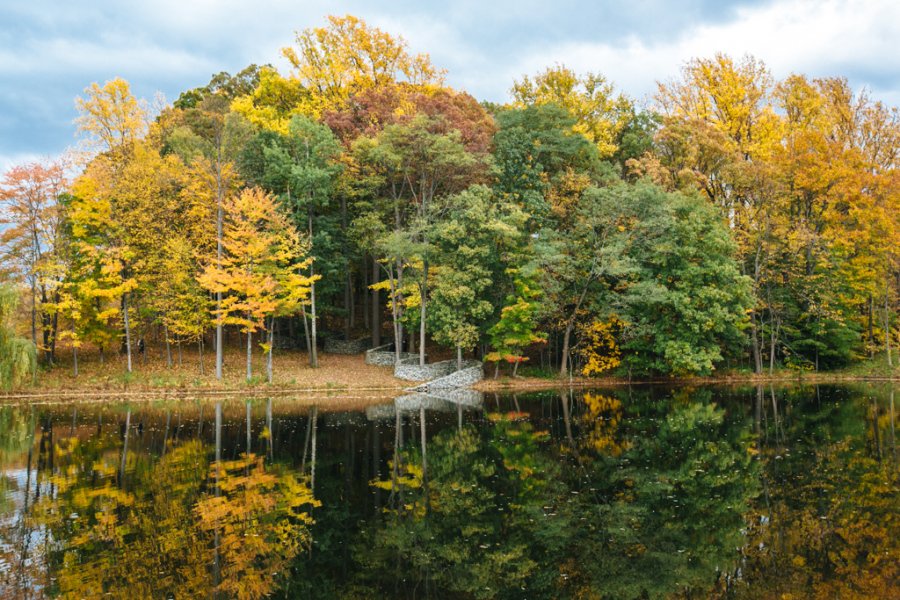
{"points": [[152, 376], [343, 376]]}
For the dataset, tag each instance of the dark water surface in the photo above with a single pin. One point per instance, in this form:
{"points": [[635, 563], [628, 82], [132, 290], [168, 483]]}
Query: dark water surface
{"points": [[642, 492]]}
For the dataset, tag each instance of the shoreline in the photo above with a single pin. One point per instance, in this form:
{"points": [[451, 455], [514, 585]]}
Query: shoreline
{"points": [[380, 392], [534, 383], [87, 394]]}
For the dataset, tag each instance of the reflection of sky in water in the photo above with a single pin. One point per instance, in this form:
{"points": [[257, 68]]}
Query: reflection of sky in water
{"points": [[13, 536]]}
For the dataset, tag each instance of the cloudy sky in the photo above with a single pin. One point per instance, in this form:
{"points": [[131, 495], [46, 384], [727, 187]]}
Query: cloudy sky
{"points": [[50, 50]]}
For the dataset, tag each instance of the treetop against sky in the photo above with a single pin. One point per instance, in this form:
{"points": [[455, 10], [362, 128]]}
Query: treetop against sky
{"points": [[49, 51]]}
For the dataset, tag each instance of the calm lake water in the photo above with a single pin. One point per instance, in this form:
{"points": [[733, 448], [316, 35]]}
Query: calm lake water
{"points": [[642, 492]]}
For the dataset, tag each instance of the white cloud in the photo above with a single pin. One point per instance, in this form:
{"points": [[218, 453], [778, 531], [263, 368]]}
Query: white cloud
{"points": [[114, 55], [49, 51], [8, 161], [857, 39]]}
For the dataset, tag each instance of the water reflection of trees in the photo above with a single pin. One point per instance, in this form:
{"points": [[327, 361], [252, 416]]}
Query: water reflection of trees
{"points": [[634, 499], [111, 519], [632, 493], [664, 493], [826, 526]]}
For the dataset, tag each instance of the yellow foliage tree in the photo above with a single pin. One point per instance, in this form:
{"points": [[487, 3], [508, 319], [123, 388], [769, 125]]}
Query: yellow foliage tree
{"points": [[599, 351], [260, 272], [110, 115], [274, 102], [600, 114], [349, 56]]}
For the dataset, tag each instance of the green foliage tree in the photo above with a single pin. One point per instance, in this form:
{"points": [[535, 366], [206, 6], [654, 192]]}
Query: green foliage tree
{"points": [[686, 300], [467, 234], [18, 356], [418, 162], [515, 330]]}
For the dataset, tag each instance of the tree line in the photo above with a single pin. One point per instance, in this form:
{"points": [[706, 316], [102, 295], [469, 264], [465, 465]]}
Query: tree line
{"points": [[736, 222]]}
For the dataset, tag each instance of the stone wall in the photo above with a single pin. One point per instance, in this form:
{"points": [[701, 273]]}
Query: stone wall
{"points": [[383, 356], [472, 372], [338, 346], [410, 369], [440, 375]]}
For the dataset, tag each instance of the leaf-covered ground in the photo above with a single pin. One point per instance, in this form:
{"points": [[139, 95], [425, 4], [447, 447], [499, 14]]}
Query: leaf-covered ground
{"points": [[291, 370]]}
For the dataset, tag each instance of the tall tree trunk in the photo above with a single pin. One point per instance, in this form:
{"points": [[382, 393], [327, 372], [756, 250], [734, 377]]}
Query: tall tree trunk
{"points": [[200, 353], [564, 356], [45, 329], [48, 329], [376, 307], [54, 327], [351, 298], [313, 339], [871, 327], [220, 342], [395, 314], [347, 302], [348, 281], [314, 350], [142, 352], [772, 335], [422, 311], [127, 330], [271, 347], [168, 347], [249, 354], [458, 357], [887, 326], [306, 334], [757, 352], [220, 196], [570, 325], [34, 309], [74, 352], [366, 309]]}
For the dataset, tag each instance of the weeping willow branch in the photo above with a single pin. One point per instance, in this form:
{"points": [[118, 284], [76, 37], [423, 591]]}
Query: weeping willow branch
{"points": [[18, 356]]}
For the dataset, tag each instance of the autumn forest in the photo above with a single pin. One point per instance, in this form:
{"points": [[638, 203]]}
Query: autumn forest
{"points": [[731, 223]]}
